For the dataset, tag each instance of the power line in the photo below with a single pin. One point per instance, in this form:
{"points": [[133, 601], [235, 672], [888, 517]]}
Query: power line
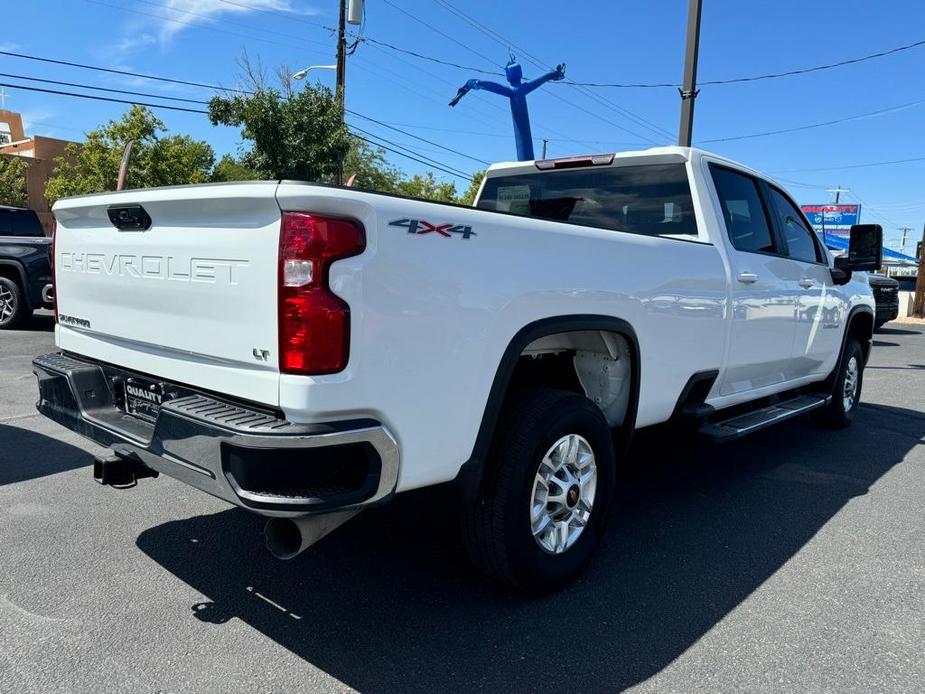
{"points": [[28, 122], [817, 68], [417, 137], [121, 72], [210, 18], [101, 89], [207, 27], [426, 161], [440, 61], [756, 78], [483, 133], [444, 167], [491, 103], [852, 166], [442, 33], [500, 39], [860, 116], [289, 16], [157, 96], [363, 38], [873, 210], [800, 184], [413, 158], [416, 156], [101, 98]]}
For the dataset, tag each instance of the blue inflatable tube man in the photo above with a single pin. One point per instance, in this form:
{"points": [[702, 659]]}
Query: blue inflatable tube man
{"points": [[517, 95]]}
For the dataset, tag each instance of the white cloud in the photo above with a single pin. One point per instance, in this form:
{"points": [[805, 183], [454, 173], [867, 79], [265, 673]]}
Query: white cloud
{"points": [[186, 13], [138, 35], [9, 46]]}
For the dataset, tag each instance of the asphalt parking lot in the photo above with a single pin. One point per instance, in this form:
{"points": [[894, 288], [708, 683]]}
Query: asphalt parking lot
{"points": [[791, 561]]}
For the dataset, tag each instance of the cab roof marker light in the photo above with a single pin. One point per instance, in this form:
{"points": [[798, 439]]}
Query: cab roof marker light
{"points": [[576, 162]]}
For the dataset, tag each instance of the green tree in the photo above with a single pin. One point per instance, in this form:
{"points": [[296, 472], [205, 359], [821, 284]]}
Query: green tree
{"points": [[369, 169], [230, 169], [427, 187], [13, 181], [156, 160], [468, 198], [292, 135]]}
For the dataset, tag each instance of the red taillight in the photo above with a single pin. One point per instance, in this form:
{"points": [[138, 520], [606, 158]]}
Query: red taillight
{"points": [[51, 261], [314, 324]]}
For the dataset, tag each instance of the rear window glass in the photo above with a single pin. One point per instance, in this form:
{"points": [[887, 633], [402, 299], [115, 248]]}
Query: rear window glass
{"points": [[650, 199], [20, 223]]}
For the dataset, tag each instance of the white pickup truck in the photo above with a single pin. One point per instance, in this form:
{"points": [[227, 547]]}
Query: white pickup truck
{"points": [[305, 351]]}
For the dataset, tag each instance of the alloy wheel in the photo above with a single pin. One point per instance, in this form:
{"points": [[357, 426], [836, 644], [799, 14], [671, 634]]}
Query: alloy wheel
{"points": [[563, 494]]}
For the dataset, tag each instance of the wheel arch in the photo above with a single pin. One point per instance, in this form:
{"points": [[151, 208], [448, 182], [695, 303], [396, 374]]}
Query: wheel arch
{"points": [[470, 475], [14, 270], [860, 325]]}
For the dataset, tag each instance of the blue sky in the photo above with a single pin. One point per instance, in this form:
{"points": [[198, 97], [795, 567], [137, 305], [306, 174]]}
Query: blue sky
{"points": [[601, 41]]}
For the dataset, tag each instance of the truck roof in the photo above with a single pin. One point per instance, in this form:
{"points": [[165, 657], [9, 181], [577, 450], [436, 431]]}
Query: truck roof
{"points": [[661, 155]]}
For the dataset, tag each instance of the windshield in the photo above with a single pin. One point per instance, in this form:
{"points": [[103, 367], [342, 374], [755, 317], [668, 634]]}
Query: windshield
{"points": [[20, 223], [650, 199]]}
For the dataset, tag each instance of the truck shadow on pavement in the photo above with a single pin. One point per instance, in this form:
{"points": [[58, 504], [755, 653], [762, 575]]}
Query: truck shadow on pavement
{"points": [[25, 455], [388, 602]]}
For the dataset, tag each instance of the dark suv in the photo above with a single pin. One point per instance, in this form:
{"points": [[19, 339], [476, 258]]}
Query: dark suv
{"points": [[886, 294], [25, 269]]}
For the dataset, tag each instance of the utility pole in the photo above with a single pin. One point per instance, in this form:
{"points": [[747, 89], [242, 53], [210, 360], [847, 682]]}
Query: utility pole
{"points": [[545, 142], [838, 190], [918, 305], [902, 243], [341, 74], [341, 78], [689, 88]]}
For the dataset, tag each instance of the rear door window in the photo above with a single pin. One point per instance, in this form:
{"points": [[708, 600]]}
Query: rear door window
{"points": [[20, 223], [649, 199], [746, 220]]}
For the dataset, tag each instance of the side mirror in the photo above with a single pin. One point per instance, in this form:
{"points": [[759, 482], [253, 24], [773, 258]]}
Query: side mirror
{"points": [[865, 247], [865, 252]]}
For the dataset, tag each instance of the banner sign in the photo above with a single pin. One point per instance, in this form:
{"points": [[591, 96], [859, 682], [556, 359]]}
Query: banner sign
{"points": [[836, 218]]}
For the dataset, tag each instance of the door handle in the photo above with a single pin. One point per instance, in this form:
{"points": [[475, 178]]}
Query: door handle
{"points": [[747, 277], [807, 283]]}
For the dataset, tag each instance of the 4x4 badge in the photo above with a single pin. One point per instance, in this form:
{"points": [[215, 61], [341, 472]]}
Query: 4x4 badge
{"points": [[420, 227]]}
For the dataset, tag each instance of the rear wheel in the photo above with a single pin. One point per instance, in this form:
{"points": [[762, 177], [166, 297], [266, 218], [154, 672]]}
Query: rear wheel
{"points": [[847, 391], [546, 494], [13, 309]]}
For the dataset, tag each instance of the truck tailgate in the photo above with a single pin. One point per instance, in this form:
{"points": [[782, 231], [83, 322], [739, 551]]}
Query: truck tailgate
{"points": [[192, 299]]}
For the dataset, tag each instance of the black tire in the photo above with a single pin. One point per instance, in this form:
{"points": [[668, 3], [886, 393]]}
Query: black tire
{"points": [[497, 527], [838, 414], [13, 308], [879, 325]]}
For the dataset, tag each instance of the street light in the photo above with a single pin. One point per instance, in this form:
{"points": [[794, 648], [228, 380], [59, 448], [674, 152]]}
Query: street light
{"points": [[301, 74]]}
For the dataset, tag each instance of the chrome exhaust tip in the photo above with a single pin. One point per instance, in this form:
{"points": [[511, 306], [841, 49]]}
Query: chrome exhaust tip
{"points": [[48, 293], [289, 537]]}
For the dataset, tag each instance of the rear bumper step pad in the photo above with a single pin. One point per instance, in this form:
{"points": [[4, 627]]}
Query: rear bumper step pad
{"points": [[242, 455]]}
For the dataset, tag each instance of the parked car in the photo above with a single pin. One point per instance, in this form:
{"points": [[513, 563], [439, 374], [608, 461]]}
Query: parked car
{"points": [[25, 271], [886, 296], [306, 351]]}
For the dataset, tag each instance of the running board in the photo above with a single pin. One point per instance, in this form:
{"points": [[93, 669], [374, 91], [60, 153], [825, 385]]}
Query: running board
{"points": [[743, 424]]}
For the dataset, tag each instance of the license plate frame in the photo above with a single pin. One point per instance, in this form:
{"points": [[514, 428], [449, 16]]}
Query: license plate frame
{"points": [[143, 398]]}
